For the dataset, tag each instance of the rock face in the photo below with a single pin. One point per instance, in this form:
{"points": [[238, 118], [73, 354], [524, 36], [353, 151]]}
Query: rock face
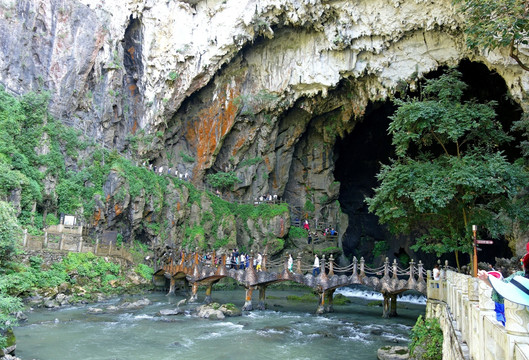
{"points": [[261, 88]]}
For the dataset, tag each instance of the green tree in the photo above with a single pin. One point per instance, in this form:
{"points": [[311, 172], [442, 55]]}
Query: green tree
{"points": [[449, 172], [10, 232], [492, 24]]}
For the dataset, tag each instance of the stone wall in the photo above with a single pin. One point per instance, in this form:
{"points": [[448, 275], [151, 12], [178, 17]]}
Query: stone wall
{"points": [[465, 311]]}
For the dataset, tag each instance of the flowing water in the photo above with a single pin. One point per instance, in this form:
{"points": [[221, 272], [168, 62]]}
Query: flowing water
{"points": [[286, 330]]}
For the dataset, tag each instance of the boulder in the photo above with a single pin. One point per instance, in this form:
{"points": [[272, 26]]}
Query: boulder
{"points": [[170, 312], [208, 312], [393, 353], [216, 311]]}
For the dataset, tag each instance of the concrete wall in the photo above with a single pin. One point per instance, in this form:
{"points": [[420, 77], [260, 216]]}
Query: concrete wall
{"points": [[466, 313]]}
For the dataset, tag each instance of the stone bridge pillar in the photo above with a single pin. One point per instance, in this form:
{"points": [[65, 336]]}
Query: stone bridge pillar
{"points": [[386, 306], [262, 297], [194, 291], [172, 286], [393, 305], [208, 299], [329, 294], [321, 304], [248, 299]]}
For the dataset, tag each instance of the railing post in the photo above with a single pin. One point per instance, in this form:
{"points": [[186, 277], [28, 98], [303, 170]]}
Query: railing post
{"points": [[331, 265], [386, 267], [322, 265], [298, 265], [412, 264], [362, 266], [420, 268], [394, 269], [264, 261], [355, 266]]}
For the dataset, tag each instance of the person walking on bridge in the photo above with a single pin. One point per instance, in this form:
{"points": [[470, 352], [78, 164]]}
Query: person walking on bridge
{"points": [[316, 266], [259, 262]]}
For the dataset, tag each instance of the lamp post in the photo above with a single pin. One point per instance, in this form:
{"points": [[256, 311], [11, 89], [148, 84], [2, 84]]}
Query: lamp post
{"points": [[475, 258]]}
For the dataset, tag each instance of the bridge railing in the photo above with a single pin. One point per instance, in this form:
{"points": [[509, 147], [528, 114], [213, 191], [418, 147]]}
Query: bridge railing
{"points": [[466, 313], [387, 269]]}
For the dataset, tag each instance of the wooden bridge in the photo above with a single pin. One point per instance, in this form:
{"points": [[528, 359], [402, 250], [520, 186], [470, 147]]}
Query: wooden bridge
{"points": [[388, 279]]}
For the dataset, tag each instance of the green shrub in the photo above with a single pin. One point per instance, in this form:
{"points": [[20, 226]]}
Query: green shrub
{"points": [[223, 180], [51, 219], [297, 233], [144, 271], [380, 248], [309, 206], [8, 306], [426, 339]]}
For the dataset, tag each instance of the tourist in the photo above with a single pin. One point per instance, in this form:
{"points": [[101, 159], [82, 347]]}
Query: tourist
{"points": [[333, 232], [290, 263], [436, 273], [306, 225], [514, 288], [309, 239], [242, 259], [316, 266], [259, 262]]}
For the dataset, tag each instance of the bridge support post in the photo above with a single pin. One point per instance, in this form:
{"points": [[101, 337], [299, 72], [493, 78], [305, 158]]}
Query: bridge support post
{"points": [[208, 299], [194, 291], [386, 306], [248, 300], [329, 294], [262, 297], [172, 286], [321, 305], [393, 310]]}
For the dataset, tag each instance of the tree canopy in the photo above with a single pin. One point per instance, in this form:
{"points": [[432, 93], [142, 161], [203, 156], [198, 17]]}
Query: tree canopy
{"points": [[492, 24], [449, 172]]}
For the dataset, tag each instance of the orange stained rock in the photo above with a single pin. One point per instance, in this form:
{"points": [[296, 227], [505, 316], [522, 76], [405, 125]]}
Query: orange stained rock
{"points": [[118, 209], [207, 131], [132, 88], [97, 216]]}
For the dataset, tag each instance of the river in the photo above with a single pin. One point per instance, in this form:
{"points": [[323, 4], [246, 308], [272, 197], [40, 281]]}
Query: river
{"points": [[286, 330]]}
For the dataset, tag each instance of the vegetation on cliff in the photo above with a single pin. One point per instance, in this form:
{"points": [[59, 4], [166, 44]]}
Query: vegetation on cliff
{"points": [[450, 171], [47, 169]]}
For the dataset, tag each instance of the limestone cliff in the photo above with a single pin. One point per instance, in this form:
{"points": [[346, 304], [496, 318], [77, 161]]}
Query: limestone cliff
{"points": [[261, 88]]}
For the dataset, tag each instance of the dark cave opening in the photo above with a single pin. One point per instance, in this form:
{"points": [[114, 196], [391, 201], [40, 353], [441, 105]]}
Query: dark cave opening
{"points": [[360, 153]]}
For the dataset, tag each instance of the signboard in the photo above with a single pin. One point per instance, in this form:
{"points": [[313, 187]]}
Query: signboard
{"points": [[69, 220], [485, 242]]}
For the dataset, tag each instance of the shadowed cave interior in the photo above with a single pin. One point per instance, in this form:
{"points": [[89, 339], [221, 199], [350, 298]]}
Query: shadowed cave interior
{"points": [[361, 152]]}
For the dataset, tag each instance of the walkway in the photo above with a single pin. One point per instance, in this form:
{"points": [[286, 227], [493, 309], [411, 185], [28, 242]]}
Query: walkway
{"points": [[389, 279]]}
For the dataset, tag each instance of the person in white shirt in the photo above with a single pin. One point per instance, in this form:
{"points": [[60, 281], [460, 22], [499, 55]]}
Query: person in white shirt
{"points": [[316, 266]]}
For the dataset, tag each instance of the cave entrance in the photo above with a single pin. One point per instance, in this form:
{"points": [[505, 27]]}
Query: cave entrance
{"points": [[360, 153]]}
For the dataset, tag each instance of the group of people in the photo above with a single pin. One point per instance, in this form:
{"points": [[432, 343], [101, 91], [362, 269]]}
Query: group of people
{"points": [[514, 288], [241, 261], [266, 199], [167, 170]]}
